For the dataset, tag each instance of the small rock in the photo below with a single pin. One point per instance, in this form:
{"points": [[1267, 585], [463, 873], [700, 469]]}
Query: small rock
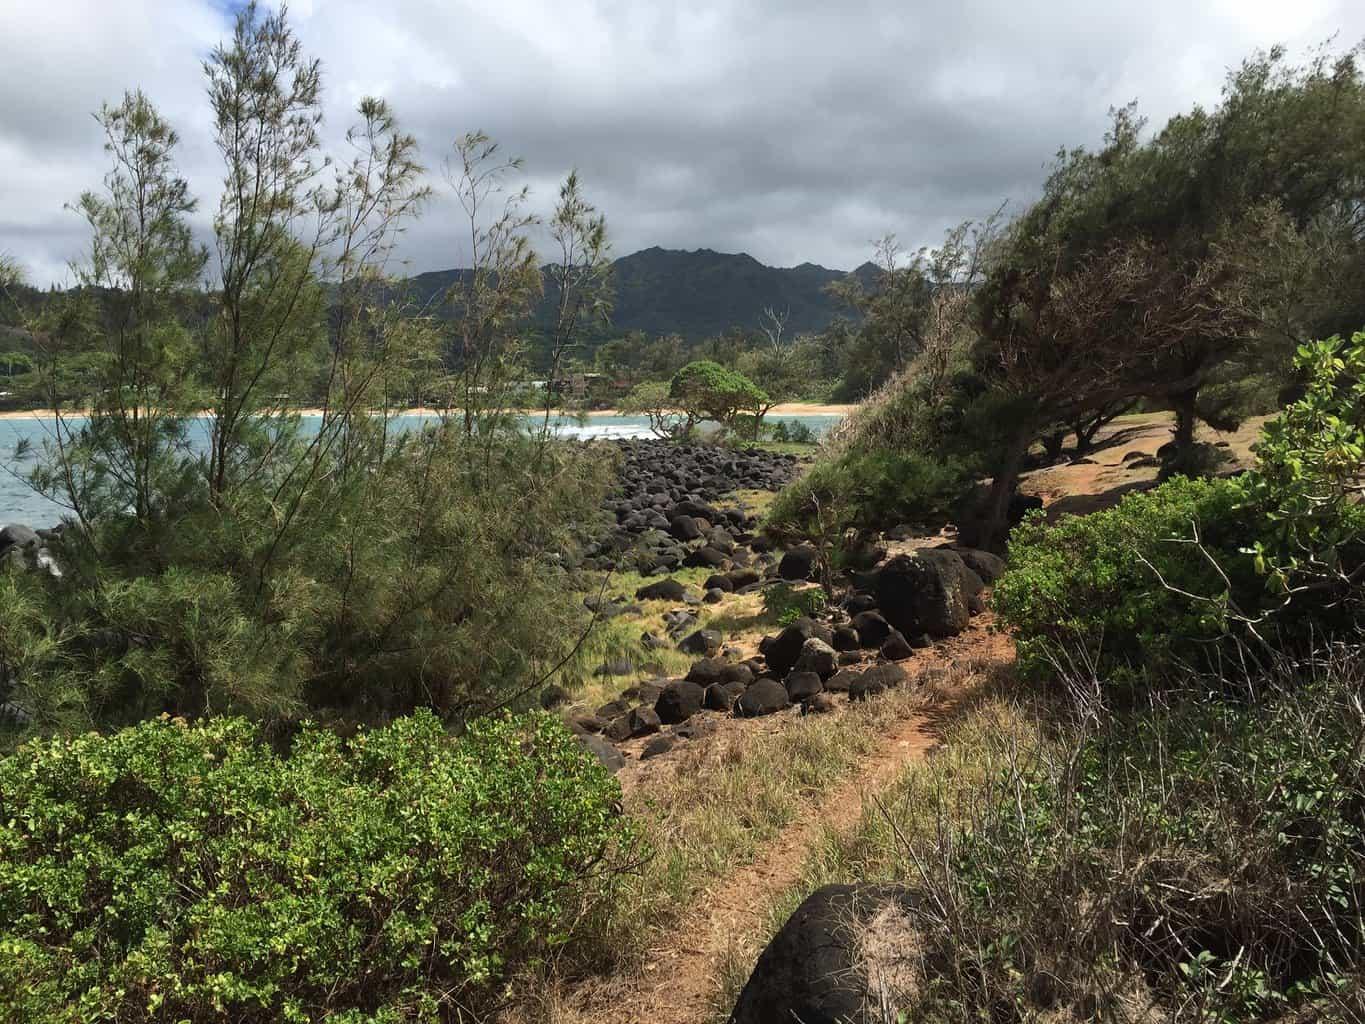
{"points": [[658, 745]]}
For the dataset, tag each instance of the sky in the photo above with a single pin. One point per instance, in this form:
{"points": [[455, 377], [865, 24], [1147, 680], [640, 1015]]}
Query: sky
{"points": [[793, 130]]}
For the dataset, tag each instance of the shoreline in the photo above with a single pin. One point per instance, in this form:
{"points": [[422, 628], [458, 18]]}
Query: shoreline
{"points": [[783, 409]]}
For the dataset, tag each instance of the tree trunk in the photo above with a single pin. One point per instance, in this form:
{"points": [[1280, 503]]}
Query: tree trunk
{"points": [[1183, 403], [1052, 445], [995, 516]]}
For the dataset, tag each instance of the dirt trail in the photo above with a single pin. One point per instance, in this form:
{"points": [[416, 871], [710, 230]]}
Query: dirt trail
{"points": [[680, 980]]}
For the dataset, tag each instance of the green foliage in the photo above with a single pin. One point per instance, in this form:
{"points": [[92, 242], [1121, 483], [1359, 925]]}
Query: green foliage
{"points": [[791, 432], [175, 871], [786, 603], [1203, 861], [654, 400], [1308, 469], [868, 491], [1087, 583], [1167, 574], [705, 390]]}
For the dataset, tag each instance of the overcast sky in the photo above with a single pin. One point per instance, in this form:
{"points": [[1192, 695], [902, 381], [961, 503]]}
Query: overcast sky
{"points": [[792, 130]]}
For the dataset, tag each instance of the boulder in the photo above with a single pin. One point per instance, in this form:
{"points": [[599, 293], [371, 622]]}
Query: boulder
{"points": [[656, 746], [635, 722], [845, 639], [818, 657], [842, 680], [679, 701], [797, 564], [704, 642], [986, 565], [872, 628], [877, 679], [813, 970], [611, 758], [684, 528], [664, 590], [741, 578], [783, 650], [719, 581], [896, 647], [722, 696], [802, 685], [761, 697], [820, 704], [925, 593], [855, 603], [705, 558], [17, 535], [713, 596]]}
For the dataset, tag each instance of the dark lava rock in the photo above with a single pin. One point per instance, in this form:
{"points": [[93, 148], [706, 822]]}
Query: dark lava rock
{"points": [[684, 528], [872, 628], [813, 969], [761, 697], [679, 701], [612, 759], [877, 679], [802, 685], [664, 590], [845, 639], [17, 535], [586, 723], [819, 657], [705, 558], [619, 667], [986, 565], [783, 650], [856, 603], [719, 581], [925, 593], [635, 722], [820, 704], [612, 709], [722, 696], [713, 596], [896, 648], [704, 642], [842, 680], [658, 745], [797, 564]]}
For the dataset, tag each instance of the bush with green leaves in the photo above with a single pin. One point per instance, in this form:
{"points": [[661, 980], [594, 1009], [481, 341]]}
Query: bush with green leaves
{"points": [[1204, 861], [1090, 583], [869, 490], [1270, 557], [786, 603], [191, 872]]}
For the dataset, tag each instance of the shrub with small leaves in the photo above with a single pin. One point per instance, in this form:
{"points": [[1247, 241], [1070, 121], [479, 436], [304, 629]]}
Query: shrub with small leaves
{"points": [[190, 872]]}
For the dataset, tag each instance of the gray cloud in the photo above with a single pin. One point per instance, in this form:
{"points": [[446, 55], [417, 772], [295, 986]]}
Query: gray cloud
{"points": [[789, 129]]}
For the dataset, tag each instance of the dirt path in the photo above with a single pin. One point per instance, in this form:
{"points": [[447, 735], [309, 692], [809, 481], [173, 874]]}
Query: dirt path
{"points": [[680, 980]]}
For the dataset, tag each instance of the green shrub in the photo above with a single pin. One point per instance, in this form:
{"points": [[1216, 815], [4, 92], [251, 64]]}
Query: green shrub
{"points": [[787, 604], [1090, 582], [868, 491], [188, 872], [1204, 862]]}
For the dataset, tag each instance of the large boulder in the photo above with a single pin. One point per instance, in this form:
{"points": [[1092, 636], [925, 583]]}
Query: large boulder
{"points": [[798, 564], [818, 657], [664, 590], [872, 628], [611, 758], [705, 558], [679, 701], [927, 592], [986, 565], [722, 696], [684, 528], [877, 679], [17, 535], [814, 969], [843, 680], [704, 642], [802, 685], [635, 722], [783, 650], [762, 697]]}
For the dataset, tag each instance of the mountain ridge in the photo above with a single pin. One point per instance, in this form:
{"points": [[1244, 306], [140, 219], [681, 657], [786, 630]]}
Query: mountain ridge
{"points": [[696, 293]]}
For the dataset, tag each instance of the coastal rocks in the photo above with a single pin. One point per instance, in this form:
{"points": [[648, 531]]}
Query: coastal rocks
{"points": [[634, 723], [926, 592], [679, 701], [783, 650], [612, 759], [872, 629], [818, 658], [802, 686], [797, 565], [814, 969], [762, 697], [663, 590], [703, 642]]}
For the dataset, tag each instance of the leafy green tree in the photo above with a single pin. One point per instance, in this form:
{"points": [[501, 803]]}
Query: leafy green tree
{"points": [[654, 400], [705, 390]]}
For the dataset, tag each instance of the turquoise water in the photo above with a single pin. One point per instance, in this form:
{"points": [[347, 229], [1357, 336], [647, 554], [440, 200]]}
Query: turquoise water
{"points": [[20, 504]]}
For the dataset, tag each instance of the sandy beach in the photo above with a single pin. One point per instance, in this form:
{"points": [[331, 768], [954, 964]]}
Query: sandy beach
{"points": [[784, 409]]}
